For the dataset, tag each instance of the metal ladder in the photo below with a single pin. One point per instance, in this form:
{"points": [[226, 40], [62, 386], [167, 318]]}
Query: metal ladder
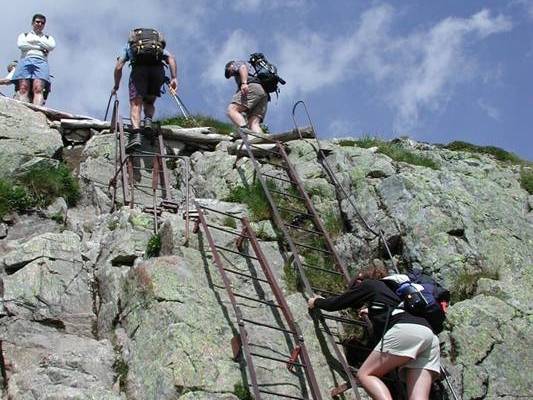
{"points": [[298, 356], [290, 233], [127, 167]]}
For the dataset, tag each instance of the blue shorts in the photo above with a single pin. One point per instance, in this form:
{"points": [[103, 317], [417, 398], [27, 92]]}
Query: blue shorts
{"points": [[32, 68]]}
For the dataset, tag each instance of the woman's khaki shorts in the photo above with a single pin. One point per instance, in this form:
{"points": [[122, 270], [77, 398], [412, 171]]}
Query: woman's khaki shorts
{"points": [[414, 341], [255, 102]]}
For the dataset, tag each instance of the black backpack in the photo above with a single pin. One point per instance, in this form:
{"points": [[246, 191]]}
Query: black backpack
{"points": [[146, 46], [422, 296], [266, 73]]}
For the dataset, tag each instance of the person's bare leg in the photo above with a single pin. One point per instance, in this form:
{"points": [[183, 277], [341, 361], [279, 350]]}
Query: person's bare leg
{"points": [[149, 106], [37, 88], [419, 383], [135, 112], [234, 113], [375, 366], [254, 123], [24, 90]]}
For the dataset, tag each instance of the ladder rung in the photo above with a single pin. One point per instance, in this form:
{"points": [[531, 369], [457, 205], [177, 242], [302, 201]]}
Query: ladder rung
{"points": [[277, 165], [276, 177], [218, 212], [263, 149], [269, 326], [305, 246], [343, 320], [236, 252], [268, 303], [245, 275], [295, 211], [328, 271], [219, 228], [315, 289], [304, 229], [283, 395], [285, 361], [287, 194]]}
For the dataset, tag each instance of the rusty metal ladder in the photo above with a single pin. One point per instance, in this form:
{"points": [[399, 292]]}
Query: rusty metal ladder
{"points": [[298, 356], [125, 169], [289, 230]]}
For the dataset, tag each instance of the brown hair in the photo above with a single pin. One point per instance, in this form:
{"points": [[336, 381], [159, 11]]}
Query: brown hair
{"points": [[375, 271]]}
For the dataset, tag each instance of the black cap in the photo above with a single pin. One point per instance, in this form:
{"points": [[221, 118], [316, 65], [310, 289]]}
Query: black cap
{"points": [[227, 71]]}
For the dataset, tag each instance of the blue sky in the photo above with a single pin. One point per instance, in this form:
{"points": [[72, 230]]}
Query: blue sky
{"points": [[435, 70]]}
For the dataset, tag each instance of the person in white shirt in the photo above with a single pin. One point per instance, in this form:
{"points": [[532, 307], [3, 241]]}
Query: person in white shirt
{"points": [[32, 75]]}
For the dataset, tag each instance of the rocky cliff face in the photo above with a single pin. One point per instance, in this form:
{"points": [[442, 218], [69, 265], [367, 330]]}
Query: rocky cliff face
{"points": [[86, 315]]}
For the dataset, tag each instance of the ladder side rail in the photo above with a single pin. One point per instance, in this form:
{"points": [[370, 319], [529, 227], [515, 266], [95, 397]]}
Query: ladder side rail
{"points": [[316, 219], [280, 298], [238, 314], [164, 170], [297, 261]]}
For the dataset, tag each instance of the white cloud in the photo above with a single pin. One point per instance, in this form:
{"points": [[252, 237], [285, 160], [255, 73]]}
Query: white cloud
{"points": [[262, 5], [90, 35], [490, 110], [413, 72]]}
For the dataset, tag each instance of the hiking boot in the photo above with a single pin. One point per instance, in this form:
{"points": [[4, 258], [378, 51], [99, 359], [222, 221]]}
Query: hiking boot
{"points": [[135, 141], [148, 126]]}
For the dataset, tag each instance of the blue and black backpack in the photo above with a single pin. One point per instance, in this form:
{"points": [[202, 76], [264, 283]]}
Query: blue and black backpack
{"points": [[422, 296]]}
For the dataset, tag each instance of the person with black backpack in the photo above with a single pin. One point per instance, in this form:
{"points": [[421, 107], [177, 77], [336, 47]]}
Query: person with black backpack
{"points": [[147, 56], [255, 81], [402, 340]]}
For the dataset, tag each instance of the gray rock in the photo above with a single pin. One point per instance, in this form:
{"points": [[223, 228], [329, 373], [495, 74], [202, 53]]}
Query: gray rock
{"points": [[25, 137]]}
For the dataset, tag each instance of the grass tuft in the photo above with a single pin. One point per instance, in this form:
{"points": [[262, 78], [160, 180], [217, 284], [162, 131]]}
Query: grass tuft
{"points": [[394, 150], [223, 128], [254, 197], [526, 179], [38, 187], [496, 152], [153, 247]]}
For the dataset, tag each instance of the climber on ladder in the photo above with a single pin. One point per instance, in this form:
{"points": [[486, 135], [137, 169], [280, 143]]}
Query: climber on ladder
{"points": [[147, 56]]}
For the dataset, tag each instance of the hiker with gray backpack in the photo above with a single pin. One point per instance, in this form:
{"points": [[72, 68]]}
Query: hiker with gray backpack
{"points": [[255, 80], [147, 56]]}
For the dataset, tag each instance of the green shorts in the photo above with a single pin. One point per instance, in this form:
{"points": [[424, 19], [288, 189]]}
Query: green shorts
{"points": [[255, 102]]}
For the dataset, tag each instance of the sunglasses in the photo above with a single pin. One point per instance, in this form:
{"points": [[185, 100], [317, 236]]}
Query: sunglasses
{"points": [[39, 22]]}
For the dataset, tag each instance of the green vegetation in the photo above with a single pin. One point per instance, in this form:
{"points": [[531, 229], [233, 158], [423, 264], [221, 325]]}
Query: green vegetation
{"points": [[466, 282], [526, 179], [254, 197], [242, 392], [38, 187], [121, 368], [230, 222], [499, 154], [153, 247], [394, 150], [223, 128]]}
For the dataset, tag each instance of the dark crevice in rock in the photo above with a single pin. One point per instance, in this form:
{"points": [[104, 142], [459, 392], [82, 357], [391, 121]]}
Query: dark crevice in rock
{"points": [[94, 289], [163, 300], [3, 366], [11, 269], [395, 245], [457, 232], [124, 260], [52, 323]]}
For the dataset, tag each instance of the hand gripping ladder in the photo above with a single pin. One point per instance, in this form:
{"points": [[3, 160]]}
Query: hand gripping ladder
{"points": [[299, 356], [288, 230]]}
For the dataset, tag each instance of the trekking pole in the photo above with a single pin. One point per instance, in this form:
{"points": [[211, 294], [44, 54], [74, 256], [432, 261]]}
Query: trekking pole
{"points": [[446, 378], [108, 104]]}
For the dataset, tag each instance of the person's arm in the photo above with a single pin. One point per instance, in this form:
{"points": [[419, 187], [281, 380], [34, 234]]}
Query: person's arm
{"points": [[354, 297], [47, 43], [243, 74], [117, 74], [173, 72], [24, 44]]}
